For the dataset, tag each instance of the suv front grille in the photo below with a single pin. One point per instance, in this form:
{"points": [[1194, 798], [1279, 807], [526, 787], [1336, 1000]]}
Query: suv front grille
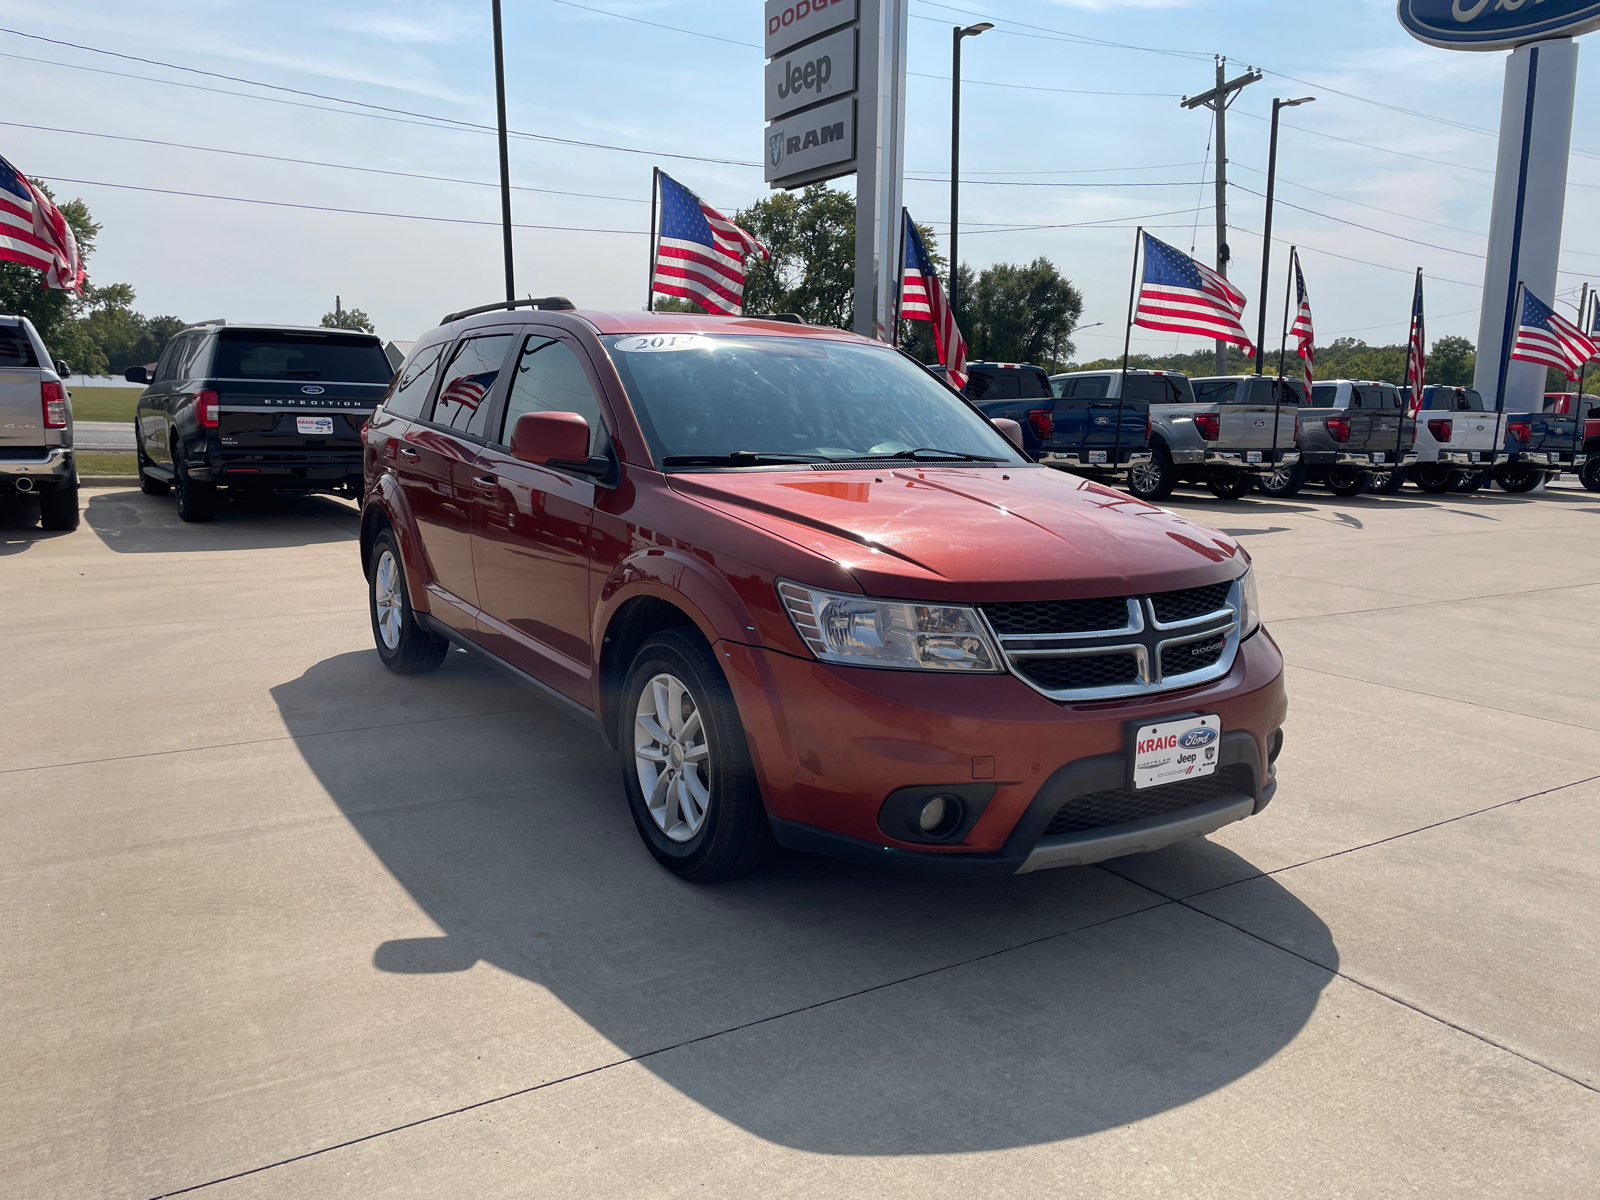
{"points": [[1121, 805], [1120, 645]]}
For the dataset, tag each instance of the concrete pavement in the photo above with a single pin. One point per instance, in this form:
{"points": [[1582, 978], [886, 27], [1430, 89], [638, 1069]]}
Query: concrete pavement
{"points": [[285, 924]]}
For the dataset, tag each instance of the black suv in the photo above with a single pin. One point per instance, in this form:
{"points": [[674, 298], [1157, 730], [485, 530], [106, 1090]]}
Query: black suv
{"points": [[265, 407]]}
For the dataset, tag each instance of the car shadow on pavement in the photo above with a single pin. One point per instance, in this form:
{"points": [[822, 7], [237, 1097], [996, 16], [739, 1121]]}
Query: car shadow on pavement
{"points": [[19, 527], [130, 522], [816, 1004]]}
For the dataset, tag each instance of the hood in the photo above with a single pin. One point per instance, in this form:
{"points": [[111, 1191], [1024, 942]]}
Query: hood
{"points": [[953, 533]]}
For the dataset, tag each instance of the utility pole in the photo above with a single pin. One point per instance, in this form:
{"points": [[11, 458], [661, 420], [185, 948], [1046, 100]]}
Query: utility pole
{"points": [[1217, 100], [956, 34], [338, 312], [505, 165]]}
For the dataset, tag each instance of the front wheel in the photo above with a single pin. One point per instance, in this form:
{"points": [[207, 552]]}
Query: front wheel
{"points": [[1519, 478], [1226, 483], [1285, 480], [1346, 481], [1153, 480], [1387, 483], [58, 508], [1590, 475], [1434, 478], [405, 647], [687, 771], [1471, 481]]}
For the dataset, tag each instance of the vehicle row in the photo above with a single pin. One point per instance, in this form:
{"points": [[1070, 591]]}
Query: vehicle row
{"points": [[1151, 430]]}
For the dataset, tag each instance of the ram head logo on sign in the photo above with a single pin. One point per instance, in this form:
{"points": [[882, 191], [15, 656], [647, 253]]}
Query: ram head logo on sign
{"points": [[775, 148]]}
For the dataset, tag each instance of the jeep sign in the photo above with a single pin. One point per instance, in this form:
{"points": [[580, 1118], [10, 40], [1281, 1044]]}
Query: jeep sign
{"points": [[1496, 24], [811, 142], [821, 70], [790, 22]]}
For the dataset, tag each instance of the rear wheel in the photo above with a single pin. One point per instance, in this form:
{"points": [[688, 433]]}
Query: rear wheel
{"points": [[1284, 481], [404, 646], [1518, 478], [58, 508], [1471, 481], [1226, 483], [1346, 481], [1387, 483], [1434, 478], [687, 771], [1153, 480], [1590, 475], [196, 501]]}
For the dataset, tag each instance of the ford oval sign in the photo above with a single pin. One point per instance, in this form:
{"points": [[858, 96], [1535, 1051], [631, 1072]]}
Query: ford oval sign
{"points": [[1496, 24], [1193, 739], [312, 389]]}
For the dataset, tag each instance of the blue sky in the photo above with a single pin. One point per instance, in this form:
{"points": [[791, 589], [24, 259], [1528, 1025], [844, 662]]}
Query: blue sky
{"points": [[1037, 111]]}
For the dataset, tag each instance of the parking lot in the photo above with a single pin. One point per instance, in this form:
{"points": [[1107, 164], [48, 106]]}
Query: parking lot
{"points": [[281, 923]]}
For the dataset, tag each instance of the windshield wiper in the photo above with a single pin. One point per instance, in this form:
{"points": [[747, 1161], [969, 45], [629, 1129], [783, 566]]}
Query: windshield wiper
{"points": [[956, 455], [741, 458]]}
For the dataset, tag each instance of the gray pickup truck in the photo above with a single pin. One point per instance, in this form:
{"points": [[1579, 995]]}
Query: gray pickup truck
{"points": [[35, 426], [1356, 436]]}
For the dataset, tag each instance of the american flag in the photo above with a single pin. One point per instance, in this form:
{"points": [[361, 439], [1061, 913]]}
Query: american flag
{"points": [[34, 233], [1180, 295], [1301, 328], [922, 299], [1545, 336], [699, 252], [1417, 358], [467, 392]]}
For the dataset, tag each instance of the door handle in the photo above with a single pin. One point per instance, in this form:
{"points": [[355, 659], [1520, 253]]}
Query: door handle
{"points": [[407, 452], [487, 481]]}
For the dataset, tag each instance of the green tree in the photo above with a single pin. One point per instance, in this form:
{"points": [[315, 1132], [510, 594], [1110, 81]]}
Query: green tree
{"points": [[1015, 312], [348, 318], [811, 237], [54, 313], [1452, 362]]}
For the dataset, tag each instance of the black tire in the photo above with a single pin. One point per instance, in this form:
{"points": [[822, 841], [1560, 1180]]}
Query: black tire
{"points": [[150, 485], [1434, 478], [1227, 483], [196, 501], [1346, 481], [1283, 481], [58, 508], [1471, 481], [415, 650], [732, 836], [1388, 483], [1590, 475], [1517, 478], [1155, 479]]}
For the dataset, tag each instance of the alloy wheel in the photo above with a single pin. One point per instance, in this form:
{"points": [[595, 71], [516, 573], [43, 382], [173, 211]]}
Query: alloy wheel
{"points": [[386, 599], [1144, 477], [672, 757]]}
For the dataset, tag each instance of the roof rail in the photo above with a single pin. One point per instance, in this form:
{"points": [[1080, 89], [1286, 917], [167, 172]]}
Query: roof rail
{"points": [[203, 324], [546, 303]]}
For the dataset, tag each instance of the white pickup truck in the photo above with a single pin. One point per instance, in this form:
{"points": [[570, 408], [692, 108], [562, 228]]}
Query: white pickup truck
{"points": [[35, 427], [1457, 440]]}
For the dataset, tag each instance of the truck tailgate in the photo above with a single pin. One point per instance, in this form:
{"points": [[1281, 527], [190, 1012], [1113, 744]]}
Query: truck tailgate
{"points": [[274, 416], [21, 413]]}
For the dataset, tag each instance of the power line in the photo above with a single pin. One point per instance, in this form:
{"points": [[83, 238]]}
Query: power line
{"points": [[1066, 171], [1062, 35], [1041, 184], [1348, 258], [655, 24], [1399, 237]]}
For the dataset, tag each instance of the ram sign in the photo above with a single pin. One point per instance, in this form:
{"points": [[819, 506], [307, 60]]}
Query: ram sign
{"points": [[809, 145], [1495, 24]]}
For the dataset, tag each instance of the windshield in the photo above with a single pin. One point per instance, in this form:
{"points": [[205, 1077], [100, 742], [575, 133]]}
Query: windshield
{"points": [[705, 396], [327, 358]]}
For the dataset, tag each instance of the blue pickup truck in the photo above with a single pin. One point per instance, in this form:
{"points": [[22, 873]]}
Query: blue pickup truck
{"points": [[1565, 436]]}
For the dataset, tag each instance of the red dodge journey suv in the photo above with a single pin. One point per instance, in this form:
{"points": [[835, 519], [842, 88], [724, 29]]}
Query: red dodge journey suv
{"points": [[812, 596]]}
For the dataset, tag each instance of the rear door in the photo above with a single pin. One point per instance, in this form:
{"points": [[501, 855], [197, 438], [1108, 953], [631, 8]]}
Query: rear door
{"points": [[531, 524], [21, 408]]}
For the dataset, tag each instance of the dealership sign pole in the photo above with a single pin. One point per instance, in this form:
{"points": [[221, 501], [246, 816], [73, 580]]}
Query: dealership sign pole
{"points": [[835, 106], [1531, 169]]}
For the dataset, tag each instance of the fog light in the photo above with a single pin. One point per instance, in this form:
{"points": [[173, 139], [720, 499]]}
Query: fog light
{"points": [[932, 815]]}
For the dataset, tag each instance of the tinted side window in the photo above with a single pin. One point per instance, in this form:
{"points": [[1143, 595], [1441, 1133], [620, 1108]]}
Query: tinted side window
{"points": [[1004, 386], [473, 370], [196, 357], [1151, 389], [411, 388], [1216, 391], [1061, 387], [15, 348], [1034, 385], [1469, 400], [549, 378], [1091, 387], [1390, 397], [1324, 395], [177, 350]]}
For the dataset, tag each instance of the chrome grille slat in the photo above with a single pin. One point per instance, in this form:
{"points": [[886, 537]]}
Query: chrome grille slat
{"points": [[1164, 641]]}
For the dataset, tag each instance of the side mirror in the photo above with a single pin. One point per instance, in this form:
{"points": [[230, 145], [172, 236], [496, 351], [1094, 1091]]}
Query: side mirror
{"points": [[1011, 429], [63, 368], [559, 440], [136, 375]]}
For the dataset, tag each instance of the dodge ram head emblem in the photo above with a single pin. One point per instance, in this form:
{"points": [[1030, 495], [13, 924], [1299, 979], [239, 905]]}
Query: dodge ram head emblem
{"points": [[775, 148]]}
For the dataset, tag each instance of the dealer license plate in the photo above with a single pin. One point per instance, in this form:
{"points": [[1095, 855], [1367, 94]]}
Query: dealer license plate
{"points": [[1473, 456], [1169, 751], [315, 426], [1097, 456], [1252, 456], [1377, 455]]}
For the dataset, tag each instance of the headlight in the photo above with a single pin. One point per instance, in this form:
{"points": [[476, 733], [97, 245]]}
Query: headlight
{"points": [[1249, 604], [889, 633]]}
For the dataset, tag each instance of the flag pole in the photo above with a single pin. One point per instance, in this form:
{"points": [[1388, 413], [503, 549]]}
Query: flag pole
{"points": [[655, 190], [900, 278], [1500, 384], [1279, 383], [1577, 404], [1416, 388], [1288, 286], [1127, 334]]}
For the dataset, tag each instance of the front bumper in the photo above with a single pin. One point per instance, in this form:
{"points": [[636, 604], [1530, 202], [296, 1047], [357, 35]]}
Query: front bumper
{"points": [[832, 744], [54, 465]]}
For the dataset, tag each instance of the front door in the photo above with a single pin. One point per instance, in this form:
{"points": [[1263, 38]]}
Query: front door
{"points": [[531, 526]]}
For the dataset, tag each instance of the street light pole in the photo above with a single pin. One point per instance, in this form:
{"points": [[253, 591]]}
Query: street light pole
{"points": [[505, 163], [956, 34], [1266, 227]]}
